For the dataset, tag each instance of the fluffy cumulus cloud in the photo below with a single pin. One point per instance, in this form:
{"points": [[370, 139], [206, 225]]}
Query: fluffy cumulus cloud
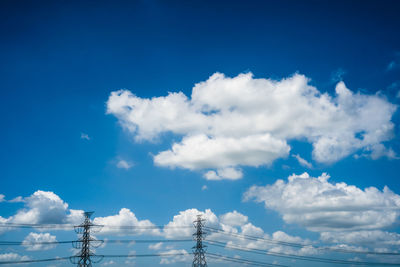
{"points": [[319, 205], [44, 207], [364, 240], [11, 256], [243, 121], [344, 215], [32, 238], [125, 222], [364, 237], [234, 218], [233, 224], [181, 256], [237, 225], [181, 224]]}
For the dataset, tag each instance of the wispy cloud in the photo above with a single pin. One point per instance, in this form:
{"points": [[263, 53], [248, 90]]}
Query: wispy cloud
{"points": [[123, 164], [395, 63], [302, 161], [392, 65], [337, 75], [394, 88], [16, 200], [85, 136]]}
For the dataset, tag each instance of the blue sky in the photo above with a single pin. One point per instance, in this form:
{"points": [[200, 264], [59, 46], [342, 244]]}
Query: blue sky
{"points": [[64, 134]]}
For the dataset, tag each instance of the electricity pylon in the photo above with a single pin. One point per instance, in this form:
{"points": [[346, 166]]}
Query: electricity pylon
{"points": [[199, 259], [85, 257]]}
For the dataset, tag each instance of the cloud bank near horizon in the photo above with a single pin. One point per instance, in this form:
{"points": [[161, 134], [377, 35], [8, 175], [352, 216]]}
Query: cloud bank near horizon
{"points": [[323, 208]]}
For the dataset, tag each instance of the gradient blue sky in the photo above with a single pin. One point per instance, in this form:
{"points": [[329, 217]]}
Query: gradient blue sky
{"points": [[60, 61]]}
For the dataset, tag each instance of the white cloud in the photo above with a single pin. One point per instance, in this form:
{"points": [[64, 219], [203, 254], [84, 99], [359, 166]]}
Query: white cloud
{"points": [[47, 207], [108, 263], [177, 258], [123, 164], [379, 150], [243, 121], [125, 217], [204, 187], [376, 237], [39, 237], [284, 237], [343, 214], [44, 207], [85, 136], [156, 246], [201, 151], [2, 197], [235, 224], [302, 161], [12, 257], [234, 218], [17, 199], [226, 173], [75, 217], [319, 205], [364, 240], [130, 261], [178, 227]]}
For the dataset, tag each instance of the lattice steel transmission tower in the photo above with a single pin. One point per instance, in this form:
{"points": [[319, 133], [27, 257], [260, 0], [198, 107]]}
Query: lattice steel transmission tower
{"points": [[199, 259], [85, 257]]}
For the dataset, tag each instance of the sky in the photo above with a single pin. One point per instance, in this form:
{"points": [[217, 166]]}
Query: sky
{"points": [[275, 119]]}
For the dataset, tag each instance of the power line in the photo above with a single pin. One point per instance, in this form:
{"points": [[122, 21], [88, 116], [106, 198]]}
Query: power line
{"points": [[145, 255], [147, 241], [297, 257], [71, 226], [23, 243], [298, 245], [103, 256], [245, 261], [40, 226], [32, 261], [142, 227], [104, 226]]}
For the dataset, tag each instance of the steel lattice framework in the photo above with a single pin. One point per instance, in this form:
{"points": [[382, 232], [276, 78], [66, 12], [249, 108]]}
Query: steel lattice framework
{"points": [[85, 257], [199, 259]]}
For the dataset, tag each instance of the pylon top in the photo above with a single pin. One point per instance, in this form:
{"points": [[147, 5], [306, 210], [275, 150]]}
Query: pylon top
{"points": [[88, 213]]}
